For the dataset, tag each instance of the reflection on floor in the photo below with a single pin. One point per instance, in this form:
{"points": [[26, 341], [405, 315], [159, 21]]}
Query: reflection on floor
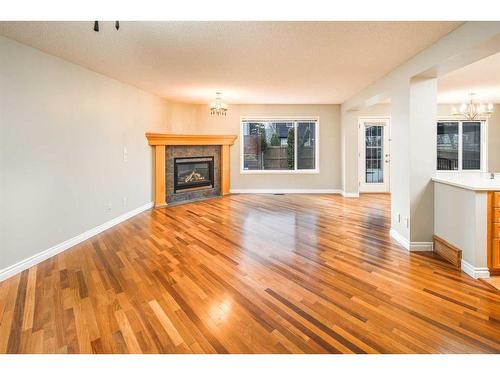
{"points": [[249, 274], [495, 281]]}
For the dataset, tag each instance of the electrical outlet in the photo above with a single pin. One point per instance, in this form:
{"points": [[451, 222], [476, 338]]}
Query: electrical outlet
{"points": [[125, 154], [108, 207], [124, 201]]}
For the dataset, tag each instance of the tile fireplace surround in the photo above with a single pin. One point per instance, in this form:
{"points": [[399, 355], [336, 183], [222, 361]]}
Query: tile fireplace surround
{"points": [[186, 152], [169, 146]]}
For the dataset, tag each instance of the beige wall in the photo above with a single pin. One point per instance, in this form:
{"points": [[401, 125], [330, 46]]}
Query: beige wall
{"points": [[62, 133], [494, 141], [182, 118], [329, 145]]}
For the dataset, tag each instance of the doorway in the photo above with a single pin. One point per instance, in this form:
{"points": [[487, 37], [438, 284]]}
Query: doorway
{"points": [[374, 154]]}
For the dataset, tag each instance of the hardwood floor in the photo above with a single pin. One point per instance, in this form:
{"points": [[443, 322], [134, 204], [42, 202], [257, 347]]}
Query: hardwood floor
{"points": [[495, 281], [249, 274]]}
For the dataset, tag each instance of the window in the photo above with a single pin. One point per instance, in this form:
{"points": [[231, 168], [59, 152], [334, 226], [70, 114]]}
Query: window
{"points": [[279, 146], [460, 145], [447, 146]]}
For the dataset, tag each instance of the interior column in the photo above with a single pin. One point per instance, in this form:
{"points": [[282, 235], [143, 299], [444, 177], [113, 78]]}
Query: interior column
{"points": [[413, 162], [423, 151], [349, 152]]}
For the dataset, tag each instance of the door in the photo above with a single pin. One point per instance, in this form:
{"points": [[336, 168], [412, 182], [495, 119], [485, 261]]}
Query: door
{"points": [[374, 155]]}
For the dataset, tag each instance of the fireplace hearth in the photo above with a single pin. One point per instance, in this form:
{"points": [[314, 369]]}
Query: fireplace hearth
{"points": [[193, 173]]}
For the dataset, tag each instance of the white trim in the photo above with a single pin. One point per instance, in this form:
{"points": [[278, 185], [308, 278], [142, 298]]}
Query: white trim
{"points": [[410, 246], [346, 194], [43, 255], [285, 191], [382, 117], [371, 187], [421, 246], [282, 171], [400, 239], [295, 191], [484, 144], [293, 119], [278, 118], [475, 272]]}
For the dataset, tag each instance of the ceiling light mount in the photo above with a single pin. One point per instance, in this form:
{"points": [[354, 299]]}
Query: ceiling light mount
{"points": [[96, 26], [218, 107], [473, 111]]}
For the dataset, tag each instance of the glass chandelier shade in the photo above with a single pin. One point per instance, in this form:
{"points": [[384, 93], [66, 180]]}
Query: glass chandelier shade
{"points": [[473, 111], [218, 107]]}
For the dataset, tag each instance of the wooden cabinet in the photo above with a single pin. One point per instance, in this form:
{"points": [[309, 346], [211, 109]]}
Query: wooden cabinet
{"points": [[496, 214], [495, 255], [494, 232], [495, 198]]}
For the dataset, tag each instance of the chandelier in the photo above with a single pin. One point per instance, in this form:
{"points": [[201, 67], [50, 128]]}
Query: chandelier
{"points": [[218, 107], [473, 111]]}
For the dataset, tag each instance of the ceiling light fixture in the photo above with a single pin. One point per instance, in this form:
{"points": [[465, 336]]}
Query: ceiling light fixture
{"points": [[218, 107], [96, 26], [473, 111]]}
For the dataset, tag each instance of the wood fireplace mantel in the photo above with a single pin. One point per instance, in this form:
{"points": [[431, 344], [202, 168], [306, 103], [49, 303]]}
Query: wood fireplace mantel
{"points": [[160, 141]]}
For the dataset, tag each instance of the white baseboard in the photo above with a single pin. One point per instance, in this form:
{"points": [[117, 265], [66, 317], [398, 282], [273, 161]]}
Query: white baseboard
{"points": [[43, 255], [475, 272], [349, 195], [295, 191], [411, 246], [400, 239], [285, 191], [421, 246]]}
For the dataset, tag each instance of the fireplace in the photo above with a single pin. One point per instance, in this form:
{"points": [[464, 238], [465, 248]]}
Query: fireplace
{"points": [[193, 173]]}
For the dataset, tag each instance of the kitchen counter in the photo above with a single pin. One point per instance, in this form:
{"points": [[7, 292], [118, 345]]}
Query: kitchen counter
{"points": [[470, 180], [462, 218]]}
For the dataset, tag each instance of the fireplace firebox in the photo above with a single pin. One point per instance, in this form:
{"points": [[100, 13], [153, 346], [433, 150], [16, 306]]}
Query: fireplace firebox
{"points": [[193, 173]]}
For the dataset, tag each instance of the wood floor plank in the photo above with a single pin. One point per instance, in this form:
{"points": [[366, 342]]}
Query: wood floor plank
{"points": [[249, 274]]}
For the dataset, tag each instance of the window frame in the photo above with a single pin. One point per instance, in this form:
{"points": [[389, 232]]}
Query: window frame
{"points": [[484, 144], [295, 120]]}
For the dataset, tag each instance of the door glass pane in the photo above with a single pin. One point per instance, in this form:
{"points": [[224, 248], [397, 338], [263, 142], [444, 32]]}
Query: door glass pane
{"points": [[374, 154], [306, 145], [447, 146], [471, 145]]}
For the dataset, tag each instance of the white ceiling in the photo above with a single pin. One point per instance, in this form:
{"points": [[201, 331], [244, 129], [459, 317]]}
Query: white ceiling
{"points": [[250, 62], [481, 78]]}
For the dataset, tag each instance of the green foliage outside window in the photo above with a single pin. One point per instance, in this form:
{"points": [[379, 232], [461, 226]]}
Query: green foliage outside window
{"points": [[275, 141], [290, 152]]}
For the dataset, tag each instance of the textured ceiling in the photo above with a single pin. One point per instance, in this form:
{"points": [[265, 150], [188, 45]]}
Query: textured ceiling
{"points": [[250, 62], [481, 78]]}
